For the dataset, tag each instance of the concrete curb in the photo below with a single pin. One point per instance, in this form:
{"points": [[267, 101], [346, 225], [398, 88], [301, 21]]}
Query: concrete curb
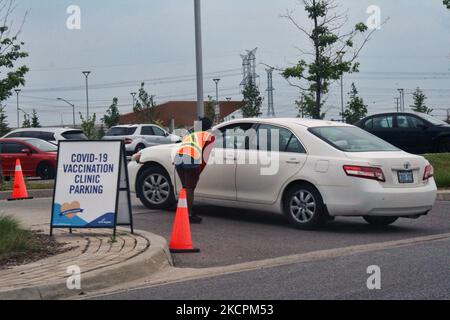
{"points": [[153, 260], [44, 193], [443, 195]]}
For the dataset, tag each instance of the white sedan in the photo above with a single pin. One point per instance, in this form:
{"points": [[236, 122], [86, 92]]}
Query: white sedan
{"points": [[309, 170]]}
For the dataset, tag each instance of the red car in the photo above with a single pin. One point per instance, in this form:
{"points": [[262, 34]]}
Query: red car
{"points": [[38, 157]]}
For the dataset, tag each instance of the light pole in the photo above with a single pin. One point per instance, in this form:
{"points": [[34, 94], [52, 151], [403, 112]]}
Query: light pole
{"points": [[86, 74], [199, 59], [217, 108], [73, 109], [133, 94], [341, 54], [402, 99], [18, 120]]}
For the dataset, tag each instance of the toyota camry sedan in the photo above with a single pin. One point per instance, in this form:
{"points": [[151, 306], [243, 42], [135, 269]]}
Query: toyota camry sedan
{"points": [[309, 170]]}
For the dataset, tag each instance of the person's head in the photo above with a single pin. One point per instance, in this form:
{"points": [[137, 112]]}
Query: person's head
{"points": [[206, 124]]}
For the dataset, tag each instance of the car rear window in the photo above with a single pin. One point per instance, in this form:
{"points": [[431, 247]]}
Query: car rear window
{"points": [[42, 145], [121, 131], [74, 135], [352, 139]]}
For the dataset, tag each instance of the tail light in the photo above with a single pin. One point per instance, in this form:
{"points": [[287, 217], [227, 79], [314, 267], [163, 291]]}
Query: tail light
{"points": [[372, 173], [128, 141], [429, 172]]}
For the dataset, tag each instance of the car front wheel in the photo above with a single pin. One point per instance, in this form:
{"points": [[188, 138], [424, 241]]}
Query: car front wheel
{"points": [[303, 205], [380, 221], [155, 189], [444, 145]]}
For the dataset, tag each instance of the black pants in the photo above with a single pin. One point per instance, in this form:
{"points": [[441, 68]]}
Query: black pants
{"points": [[189, 177]]}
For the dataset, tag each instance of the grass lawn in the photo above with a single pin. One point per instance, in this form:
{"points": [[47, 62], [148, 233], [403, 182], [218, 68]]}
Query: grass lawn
{"points": [[14, 240], [31, 185], [441, 164]]}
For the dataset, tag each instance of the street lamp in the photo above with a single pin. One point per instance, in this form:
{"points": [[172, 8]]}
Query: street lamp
{"points": [[18, 120], [73, 109], [133, 94], [341, 54], [217, 108], [199, 59], [86, 74]]}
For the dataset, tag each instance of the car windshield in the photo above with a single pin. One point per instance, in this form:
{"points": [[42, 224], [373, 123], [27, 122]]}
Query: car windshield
{"points": [[42, 145], [121, 131], [433, 120], [75, 135], [351, 139]]}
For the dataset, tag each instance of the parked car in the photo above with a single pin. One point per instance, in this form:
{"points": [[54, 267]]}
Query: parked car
{"points": [[325, 170], [37, 157], [52, 135], [139, 137], [417, 133]]}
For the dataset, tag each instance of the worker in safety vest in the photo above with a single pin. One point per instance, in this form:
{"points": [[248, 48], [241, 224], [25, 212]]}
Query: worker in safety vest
{"points": [[190, 161]]}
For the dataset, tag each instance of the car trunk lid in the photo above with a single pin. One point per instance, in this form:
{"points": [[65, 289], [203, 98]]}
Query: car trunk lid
{"points": [[393, 165]]}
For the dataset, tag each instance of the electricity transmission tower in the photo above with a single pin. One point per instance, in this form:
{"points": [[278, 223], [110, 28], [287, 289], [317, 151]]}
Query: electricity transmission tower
{"points": [[270, 90], [249, 67]]}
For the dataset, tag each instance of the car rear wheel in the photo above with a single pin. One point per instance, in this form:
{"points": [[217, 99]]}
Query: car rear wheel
{"points": [[303, 205], [380, 221], [46, 172], [155, 189]]}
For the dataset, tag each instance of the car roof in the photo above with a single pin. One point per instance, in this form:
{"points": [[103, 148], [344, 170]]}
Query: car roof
{"points": [[55, 130], [308, 123]]}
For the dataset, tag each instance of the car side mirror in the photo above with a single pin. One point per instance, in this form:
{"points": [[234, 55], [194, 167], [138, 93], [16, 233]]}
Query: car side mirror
{"points": [[166, 134], [27, 152]]}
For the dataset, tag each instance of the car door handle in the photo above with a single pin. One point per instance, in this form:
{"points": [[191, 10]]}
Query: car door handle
{"points": [[293, 161]]}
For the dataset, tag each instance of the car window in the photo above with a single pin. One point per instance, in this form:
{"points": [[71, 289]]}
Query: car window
{"points": [[147, 131], [47, 136], [409, 122], [12, 147], [42, 145], [383, 122], [272, 138], [14, 135], [352, 139], [74, 135], [30, 134], [234, 136], [121, 131], [159, 132], [368, 124]]}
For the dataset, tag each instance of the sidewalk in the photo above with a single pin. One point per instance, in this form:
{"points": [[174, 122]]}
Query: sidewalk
{"points": [[103, 264]]}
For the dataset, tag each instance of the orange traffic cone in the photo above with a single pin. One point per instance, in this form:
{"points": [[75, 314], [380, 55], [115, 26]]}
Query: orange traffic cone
{"points": [[20, 189], [181, 236]]}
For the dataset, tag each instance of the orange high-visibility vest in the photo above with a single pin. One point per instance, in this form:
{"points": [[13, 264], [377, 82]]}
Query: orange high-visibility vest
{"points": [[193, 145]]}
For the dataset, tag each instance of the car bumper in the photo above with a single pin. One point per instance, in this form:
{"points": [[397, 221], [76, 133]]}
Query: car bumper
{"points": [[133, 169], [373, 200]]}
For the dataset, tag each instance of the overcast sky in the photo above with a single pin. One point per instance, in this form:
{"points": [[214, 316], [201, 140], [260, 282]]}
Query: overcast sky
{"points": [[124, 42]]}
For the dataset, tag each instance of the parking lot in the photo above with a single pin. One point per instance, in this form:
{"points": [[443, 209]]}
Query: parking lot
{"points": [[229, 236]]}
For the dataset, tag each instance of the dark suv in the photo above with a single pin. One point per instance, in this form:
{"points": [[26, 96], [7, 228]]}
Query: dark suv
{"points": [[412, 132]]}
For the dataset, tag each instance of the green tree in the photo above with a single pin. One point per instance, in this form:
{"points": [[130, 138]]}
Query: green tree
{"points": [[210, 112], [26, 121], [101, 131], [251, 105], [447, 3], [419, 102], [11, 53], [355, 109], [112, 116], [35, 120], [88, 126], [145, 107], [4, 126], [333, 52]]}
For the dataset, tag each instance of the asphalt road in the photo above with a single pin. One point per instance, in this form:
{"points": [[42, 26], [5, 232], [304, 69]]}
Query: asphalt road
{"points": [[229, 236], [413, 272]]}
